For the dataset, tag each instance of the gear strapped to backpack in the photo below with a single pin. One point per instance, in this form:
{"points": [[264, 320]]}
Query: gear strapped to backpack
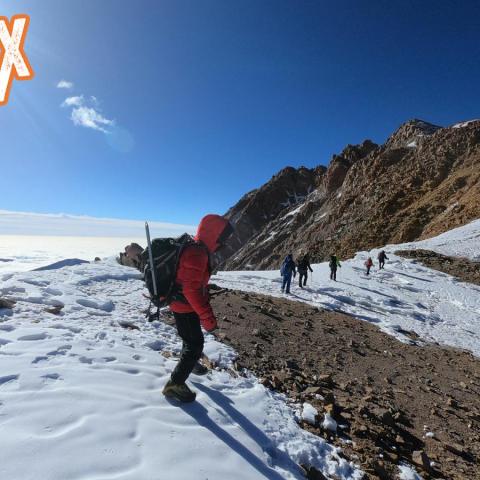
{"points": [[166, 254]]}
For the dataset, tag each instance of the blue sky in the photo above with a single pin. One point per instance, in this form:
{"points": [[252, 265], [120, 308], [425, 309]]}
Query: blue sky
{"points": [[210, 98]]}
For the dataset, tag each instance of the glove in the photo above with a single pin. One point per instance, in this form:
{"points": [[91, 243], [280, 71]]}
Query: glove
{"points": [[209, 324]]}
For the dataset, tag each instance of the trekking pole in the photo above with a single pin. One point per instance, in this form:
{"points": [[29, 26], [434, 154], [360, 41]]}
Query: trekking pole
{"points": [[152, 267]]}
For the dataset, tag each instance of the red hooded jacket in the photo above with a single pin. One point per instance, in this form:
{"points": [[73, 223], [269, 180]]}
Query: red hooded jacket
{"points": [[193, 271]]}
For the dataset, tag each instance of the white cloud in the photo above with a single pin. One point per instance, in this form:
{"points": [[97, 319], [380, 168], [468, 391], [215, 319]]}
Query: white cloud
{"points": [[65, 84], [90, 118], [73, 101], [85, 111]]}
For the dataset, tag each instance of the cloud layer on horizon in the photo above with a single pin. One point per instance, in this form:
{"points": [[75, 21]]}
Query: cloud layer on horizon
{"points": [[29, 223]]}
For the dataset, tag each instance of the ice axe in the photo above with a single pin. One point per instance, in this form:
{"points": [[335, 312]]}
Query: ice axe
{"points": [[152, 270]]}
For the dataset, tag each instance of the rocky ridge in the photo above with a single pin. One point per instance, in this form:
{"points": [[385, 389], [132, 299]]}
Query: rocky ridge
{"points": [[423, 181]]}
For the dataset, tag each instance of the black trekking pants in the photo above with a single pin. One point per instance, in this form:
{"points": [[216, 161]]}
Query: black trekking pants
{"points": [[302, 280], [189, 330], [333, 274]]}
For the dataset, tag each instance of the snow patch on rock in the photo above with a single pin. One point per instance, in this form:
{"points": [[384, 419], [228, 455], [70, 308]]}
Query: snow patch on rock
{"points": [[309, 414]]}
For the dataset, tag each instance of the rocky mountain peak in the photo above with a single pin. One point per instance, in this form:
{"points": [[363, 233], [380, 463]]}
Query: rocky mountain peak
{"points": [[340, 164], [411, 134], [352, 153]]}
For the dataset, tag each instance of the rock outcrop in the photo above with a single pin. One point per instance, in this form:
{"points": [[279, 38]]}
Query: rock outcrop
{"points": [[131, 257]]}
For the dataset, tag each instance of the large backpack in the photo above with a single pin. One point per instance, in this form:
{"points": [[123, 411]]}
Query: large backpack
{"points": [[166, 254]]}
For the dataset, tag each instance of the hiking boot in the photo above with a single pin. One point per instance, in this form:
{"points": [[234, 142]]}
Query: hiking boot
{"points": [[200, 369], [178, 391]]}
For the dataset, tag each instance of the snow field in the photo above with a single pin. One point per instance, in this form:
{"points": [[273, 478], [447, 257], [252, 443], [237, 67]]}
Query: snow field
{"points": [[80, 396], [404, 296], [459, 242]]}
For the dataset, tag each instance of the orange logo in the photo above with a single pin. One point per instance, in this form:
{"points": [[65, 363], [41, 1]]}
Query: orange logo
{"points": [[13, 61]]}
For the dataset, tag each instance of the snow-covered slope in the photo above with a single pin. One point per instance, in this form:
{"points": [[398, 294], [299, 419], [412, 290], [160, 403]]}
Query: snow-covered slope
{"points": [[403, 296], [80, 396], [459, 242]]}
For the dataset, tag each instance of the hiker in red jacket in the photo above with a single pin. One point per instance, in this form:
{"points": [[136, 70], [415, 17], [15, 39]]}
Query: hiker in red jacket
{"points": [[191, 305], [369, 264]]}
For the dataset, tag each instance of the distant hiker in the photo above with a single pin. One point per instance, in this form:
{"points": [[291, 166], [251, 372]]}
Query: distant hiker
{"points": [[286, 271], [382, 256], [369, 264], [333, 264], [191, 306], [303, 267]]}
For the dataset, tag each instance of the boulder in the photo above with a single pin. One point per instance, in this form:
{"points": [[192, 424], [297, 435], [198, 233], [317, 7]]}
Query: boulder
{"points": [[131, 257]]}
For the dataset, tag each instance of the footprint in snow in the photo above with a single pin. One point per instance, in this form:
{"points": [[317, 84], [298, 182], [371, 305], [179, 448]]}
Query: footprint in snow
{"points": [[394, 303], [52, 376], [156, 345], [131, 371], [8, 378], [53, 291], [41, 358], [36, 283], [33, 337], [419, 316], [344, 299], [7, 328], [87, 360], [60, 351], [107, 306], [420, 305], [4, 341], [109, 359], [101, 335], [410, 289]]}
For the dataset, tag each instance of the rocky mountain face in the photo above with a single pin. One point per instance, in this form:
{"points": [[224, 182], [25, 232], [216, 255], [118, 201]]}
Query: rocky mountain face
{"points": [[256, 209], [423, 181]]}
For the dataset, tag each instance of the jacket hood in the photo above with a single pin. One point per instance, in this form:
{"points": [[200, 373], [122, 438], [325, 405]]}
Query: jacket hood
{"points": [[210, 228]]}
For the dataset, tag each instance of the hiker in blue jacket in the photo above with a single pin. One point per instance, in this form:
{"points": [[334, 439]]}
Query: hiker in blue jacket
{"points": [[288, 269]]}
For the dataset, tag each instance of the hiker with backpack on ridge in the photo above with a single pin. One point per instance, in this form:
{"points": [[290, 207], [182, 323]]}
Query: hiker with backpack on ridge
{"points": [[303, 267], [190, 303], [333, 264], [369, 264], [382, 256], [287, 269]]}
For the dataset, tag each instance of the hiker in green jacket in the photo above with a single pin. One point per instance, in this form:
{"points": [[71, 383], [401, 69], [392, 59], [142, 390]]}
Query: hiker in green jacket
{"points": [[333, 264]]}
